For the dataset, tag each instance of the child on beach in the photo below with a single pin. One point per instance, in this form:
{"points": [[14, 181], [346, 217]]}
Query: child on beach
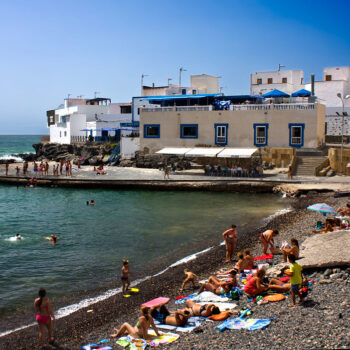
{"points": [[249, 260], [190, 277], [240, 265], [295, 278], [294, 250], [125, 276]]}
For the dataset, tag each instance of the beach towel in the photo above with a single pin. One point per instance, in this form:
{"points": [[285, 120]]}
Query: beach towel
{"points": [[93, 346], [191, 324], [250, 323], [204, 297], [141, 344], [264, 257]]}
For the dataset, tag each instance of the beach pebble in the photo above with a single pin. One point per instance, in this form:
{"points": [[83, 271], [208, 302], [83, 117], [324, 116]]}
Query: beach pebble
{"points": [[325, 281]]}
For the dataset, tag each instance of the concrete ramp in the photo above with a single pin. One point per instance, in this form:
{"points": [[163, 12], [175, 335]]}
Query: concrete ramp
{"points": [[326, 250]]}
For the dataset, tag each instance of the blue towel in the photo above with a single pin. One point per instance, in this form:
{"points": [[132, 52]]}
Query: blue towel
{"points": [[250, 323]]}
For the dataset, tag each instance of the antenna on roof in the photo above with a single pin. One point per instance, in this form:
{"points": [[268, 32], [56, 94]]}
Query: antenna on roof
{"points": [[80, 96], [169, 80], [280, 66], [180, 72], [95, 94]]}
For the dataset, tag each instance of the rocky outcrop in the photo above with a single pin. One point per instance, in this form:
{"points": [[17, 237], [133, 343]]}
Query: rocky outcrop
{"points": [[88, 154], [157, 161], [326, 250]]}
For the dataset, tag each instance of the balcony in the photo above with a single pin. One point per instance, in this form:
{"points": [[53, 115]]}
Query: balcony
{"points": [[252, 107]]}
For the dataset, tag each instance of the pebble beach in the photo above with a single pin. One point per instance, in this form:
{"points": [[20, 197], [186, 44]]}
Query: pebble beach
{"points": [[320, 322]]}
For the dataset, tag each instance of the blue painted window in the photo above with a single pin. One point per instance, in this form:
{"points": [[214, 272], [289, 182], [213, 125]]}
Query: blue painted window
{"points": [[296, 135], [189, 131], [221, 134], [151, 131], [261, 135]]}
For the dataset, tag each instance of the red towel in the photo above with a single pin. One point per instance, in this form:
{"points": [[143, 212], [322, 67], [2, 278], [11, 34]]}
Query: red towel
{"points": [[264, 257], [284, 279]]}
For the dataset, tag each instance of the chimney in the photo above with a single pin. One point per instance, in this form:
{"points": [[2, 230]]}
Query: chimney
{"points": [[153, 85], [312, 84]]}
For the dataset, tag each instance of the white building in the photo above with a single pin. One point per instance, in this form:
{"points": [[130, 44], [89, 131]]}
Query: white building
{"points": [[78, 119], [287, 81], [335, 80]]}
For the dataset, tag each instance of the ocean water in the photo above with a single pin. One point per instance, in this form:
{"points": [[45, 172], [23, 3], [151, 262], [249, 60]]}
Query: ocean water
{"points": [[14, 144], [145, 227]]}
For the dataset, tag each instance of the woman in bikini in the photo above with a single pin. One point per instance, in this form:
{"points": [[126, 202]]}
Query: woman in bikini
{"points": [[293, 250], [266, 239], [201, 310], [141, 329], [163, 316], [44, 316], [216, 286]]}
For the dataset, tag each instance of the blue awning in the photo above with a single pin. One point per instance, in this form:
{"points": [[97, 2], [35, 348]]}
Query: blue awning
{"points": [[177, 97], [301, 93], [276, 93]]}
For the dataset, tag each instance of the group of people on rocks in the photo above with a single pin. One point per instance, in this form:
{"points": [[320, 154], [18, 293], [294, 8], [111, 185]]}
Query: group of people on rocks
{"points": [[234, 171]]}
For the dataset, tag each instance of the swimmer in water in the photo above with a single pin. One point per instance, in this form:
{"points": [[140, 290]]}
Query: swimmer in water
{"points": [[92, 202], [87, 203], [18, 236], [53, 239]]}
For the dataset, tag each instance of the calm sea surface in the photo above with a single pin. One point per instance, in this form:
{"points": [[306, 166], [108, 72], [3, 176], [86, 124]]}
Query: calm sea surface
{"points": [[147, 227]]}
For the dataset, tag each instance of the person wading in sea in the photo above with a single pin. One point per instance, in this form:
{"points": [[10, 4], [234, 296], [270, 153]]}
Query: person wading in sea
{"points": [[230, 236]]}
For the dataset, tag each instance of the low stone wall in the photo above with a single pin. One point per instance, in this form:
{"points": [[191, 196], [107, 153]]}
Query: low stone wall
{"points": [[334, 155], [280, 157]]}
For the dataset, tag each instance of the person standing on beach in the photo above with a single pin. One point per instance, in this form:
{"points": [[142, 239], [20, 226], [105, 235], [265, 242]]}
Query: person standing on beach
{"points": [[61, 167], [44, 316], [294, 272], [7, 168], [166, 172], [125, 276], [266, 239], [230, 236]]}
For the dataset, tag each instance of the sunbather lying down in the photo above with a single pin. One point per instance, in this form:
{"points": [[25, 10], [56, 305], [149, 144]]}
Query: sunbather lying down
{"points": [[216, 286], [201, 310], [163, 316], [141, 328]]}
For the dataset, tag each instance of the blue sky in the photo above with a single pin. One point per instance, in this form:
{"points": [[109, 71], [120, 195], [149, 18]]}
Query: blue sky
{"points": [[52, 48]]}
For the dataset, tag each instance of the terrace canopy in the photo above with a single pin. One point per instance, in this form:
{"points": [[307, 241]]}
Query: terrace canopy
{"points": [[210, 152], [301, 93], [275, 93]]}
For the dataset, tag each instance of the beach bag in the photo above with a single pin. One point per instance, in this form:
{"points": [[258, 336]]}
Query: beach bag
{"points": [[304, 292], [274, 297]]}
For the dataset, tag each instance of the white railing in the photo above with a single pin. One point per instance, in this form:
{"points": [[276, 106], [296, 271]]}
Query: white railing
{"points": [[194, 108], [260, 140], [253, 107], [296, 141], [250, 107], [293, 106], [275, 107], [158, 109]]}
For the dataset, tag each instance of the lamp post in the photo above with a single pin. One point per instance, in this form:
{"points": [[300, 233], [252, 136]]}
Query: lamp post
{"points": [[339, 95], [142, 76], [180, 72]]}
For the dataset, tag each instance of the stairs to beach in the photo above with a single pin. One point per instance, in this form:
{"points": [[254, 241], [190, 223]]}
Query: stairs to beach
{"points": [[307, 161]]}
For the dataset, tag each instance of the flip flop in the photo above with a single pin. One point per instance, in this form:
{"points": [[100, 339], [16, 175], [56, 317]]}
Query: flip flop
{"points": [[126, 295], [135, 290]]}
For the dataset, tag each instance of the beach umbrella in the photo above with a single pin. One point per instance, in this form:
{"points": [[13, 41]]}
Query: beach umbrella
{"points": [[301, 93], [276, 93], [323, 208]]}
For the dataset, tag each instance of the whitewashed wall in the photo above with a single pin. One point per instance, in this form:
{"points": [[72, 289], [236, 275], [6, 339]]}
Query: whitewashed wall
{"points": [[128, 147]]}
